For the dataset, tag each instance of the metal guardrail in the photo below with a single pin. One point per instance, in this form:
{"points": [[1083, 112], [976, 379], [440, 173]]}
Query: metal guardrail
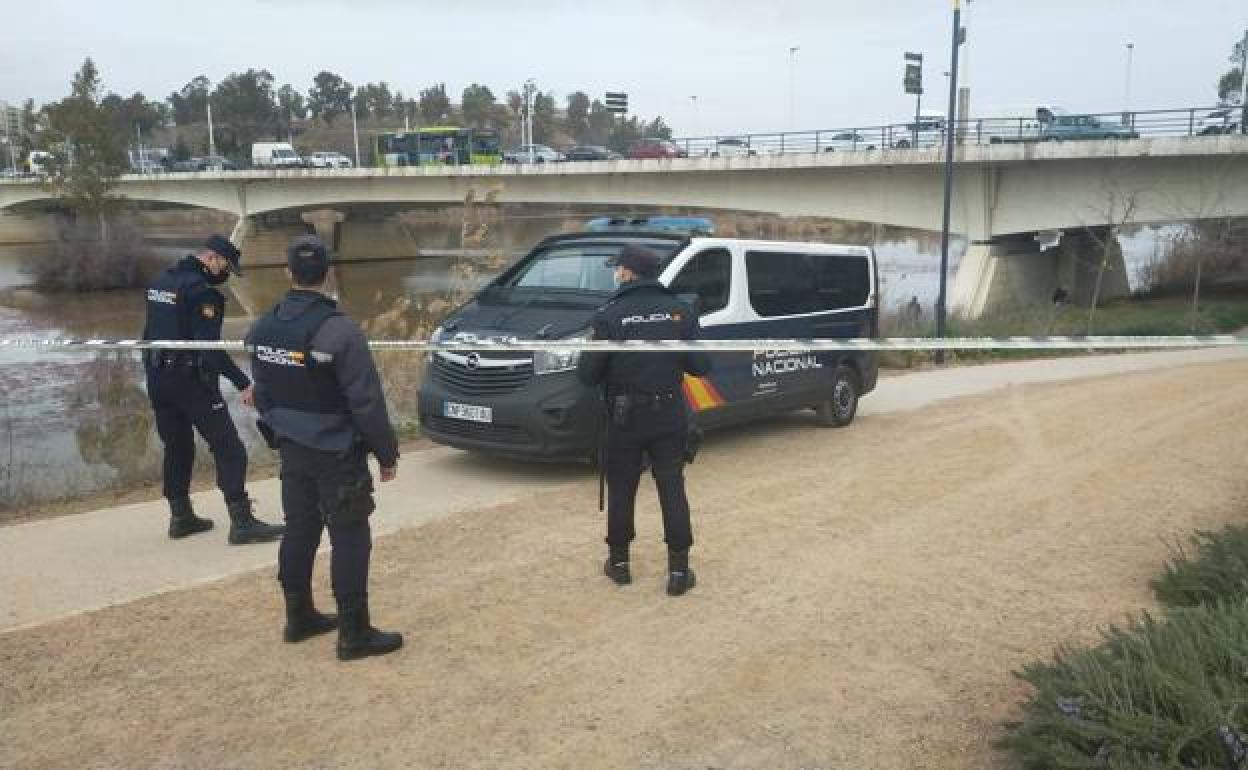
{"points": [[930, 132]]}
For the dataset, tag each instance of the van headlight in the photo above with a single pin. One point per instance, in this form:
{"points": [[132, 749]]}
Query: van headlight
{"points": [[437, 336], [550, 361]]}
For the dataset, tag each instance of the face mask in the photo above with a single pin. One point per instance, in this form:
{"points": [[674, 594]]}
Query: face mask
{"points": [[216, 280]]}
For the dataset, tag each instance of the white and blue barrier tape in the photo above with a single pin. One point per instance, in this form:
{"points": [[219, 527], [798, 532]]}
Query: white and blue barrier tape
{"points": [[641, 346]]}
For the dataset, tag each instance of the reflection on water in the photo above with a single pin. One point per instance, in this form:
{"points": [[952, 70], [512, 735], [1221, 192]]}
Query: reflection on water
{"points": [[71, 424]]}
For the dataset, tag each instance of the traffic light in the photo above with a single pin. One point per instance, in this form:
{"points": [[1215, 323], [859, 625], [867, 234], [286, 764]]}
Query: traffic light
{"points": [[914, 73], [617, 101]]}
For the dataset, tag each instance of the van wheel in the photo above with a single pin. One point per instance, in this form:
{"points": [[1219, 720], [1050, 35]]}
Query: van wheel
{"points": [[840, 408]]}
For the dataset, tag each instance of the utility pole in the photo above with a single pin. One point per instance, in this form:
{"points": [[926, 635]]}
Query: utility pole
{"points": [[529, 87], [793, 87], [941, 309], [1243, 85], [212, 145], [1126, 91], [964, 90], [355, 133]]}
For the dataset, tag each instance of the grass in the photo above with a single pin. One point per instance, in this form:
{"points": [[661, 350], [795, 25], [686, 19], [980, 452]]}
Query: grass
{"points": [[1136, 316], [1169, 693], [1215, 571]]}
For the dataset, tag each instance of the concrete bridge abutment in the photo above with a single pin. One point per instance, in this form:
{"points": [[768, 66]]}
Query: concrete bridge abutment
{"points": [[1027, 269]]}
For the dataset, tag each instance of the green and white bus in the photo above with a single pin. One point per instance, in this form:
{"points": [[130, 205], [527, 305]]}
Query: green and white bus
{"points": [[438, 146]]}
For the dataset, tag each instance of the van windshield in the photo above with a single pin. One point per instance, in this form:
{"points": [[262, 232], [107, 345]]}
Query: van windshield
{"points": [[577, 266]]}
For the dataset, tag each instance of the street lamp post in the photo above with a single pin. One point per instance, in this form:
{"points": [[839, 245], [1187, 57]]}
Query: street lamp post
{"points": [[1126, 91], [1243, 85], [793, 87], [529, 87], [212, 145], [694, 101], [355, 133], [941, 299]]}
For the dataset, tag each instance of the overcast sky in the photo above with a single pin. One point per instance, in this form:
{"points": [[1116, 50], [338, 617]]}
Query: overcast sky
{"points": [[733, 55]]}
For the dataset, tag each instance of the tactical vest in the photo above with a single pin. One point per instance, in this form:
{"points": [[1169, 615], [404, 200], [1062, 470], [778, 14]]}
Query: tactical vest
{"points": [[284, 367], [169, 313]]}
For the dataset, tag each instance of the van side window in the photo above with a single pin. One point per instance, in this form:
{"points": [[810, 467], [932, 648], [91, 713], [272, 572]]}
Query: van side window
{"points": [[708, 274], [791, 284]]}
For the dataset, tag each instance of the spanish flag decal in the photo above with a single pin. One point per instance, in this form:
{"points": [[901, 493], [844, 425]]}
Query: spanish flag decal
{"points": [[701, 394]]}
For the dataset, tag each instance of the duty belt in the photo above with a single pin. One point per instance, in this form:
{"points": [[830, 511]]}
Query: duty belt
{"points": [[171, 359], [641, 398]]}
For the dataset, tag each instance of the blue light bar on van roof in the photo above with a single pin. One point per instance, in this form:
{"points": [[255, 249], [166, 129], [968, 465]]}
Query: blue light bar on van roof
{"points": [[690, 225]]}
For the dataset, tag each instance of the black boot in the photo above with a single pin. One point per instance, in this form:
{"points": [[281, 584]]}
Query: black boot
{"points": [[356, 636], [679, 577], [302, 619], [182, 519], [246, 528], [616, 566]]}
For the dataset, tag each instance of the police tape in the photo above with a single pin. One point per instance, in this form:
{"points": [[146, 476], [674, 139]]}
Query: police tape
{"points": [[857, 344]]}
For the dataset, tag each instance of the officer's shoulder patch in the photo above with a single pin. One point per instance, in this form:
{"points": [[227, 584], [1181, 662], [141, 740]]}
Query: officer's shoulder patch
{"points": [[208, 310]]}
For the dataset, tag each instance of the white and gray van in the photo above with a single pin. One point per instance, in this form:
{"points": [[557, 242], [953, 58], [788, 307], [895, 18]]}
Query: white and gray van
{"points": [[532, 405]]}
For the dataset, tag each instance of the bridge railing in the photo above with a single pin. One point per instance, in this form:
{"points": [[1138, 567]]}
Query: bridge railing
{"points": [[930, 132]]}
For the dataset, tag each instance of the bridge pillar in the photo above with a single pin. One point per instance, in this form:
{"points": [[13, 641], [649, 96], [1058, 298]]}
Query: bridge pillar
{"points": [[1011, 271], [325, 222]]}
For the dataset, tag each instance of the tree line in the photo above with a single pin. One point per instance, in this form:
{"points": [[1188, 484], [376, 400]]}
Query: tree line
{"points": [[251, 105]]}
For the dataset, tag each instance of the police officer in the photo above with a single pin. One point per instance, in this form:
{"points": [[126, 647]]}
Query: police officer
{"points": [[646, 410], [320, 398], [185, 391]]}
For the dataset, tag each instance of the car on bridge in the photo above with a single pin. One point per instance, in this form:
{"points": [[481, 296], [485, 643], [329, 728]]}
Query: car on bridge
{"points": [[655, 148], [533, 153], [1053, 124], [1220, 121], [590, 152], [327, 160], [731, 147], [530, 404]]}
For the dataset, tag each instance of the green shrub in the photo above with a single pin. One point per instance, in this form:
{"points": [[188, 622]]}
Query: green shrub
{"points": [[1216, 572], [1169, 693]]}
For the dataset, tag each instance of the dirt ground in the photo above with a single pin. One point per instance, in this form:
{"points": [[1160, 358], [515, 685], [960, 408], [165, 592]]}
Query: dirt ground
{"points": [[863, 597]]}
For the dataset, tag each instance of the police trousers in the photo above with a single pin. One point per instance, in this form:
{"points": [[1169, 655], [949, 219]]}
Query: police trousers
{"points": [[659, 430], [313, 483], [183, 404]]}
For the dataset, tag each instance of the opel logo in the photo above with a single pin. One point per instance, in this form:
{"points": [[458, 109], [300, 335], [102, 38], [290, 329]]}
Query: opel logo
{"points": [[473, 361]]}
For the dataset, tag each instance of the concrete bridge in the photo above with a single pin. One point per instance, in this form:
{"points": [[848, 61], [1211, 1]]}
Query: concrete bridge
{"points": [[1037, 215]]}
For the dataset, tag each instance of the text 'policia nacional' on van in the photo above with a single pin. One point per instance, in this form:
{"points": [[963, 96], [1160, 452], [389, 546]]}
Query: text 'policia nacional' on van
{"points": [[531, 405]]}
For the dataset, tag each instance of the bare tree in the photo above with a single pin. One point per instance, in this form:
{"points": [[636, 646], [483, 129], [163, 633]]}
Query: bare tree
{"points": [[1118, 206], [1208, 226]]}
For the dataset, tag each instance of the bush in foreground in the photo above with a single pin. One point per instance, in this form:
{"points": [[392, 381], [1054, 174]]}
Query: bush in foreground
{"points": [[1169, 693], [1217, 570]]}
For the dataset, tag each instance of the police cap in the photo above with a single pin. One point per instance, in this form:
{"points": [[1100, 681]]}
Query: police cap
{"points": [[308, 260], [642, 261], [222, 245]]}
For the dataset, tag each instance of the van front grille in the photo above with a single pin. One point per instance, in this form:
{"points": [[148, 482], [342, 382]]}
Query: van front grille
{"points": [[481, 431], [474, 374]]}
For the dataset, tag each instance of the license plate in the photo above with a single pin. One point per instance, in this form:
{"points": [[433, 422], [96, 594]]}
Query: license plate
{"points": [[468, 412]]}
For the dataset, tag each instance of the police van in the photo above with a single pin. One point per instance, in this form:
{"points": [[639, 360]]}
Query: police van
{"points": [[532, 405]]}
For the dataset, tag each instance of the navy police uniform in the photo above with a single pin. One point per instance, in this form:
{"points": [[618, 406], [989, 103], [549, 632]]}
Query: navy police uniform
{"points": [[184, 389], [323, 409], [646, 412]]}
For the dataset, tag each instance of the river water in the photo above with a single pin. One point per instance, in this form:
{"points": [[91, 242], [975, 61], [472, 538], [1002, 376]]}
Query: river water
{"points": [[72, 424]]}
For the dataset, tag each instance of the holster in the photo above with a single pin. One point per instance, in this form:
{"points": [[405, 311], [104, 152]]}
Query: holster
{"points": [[350, 500], [621, 410], [693, 442]]}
